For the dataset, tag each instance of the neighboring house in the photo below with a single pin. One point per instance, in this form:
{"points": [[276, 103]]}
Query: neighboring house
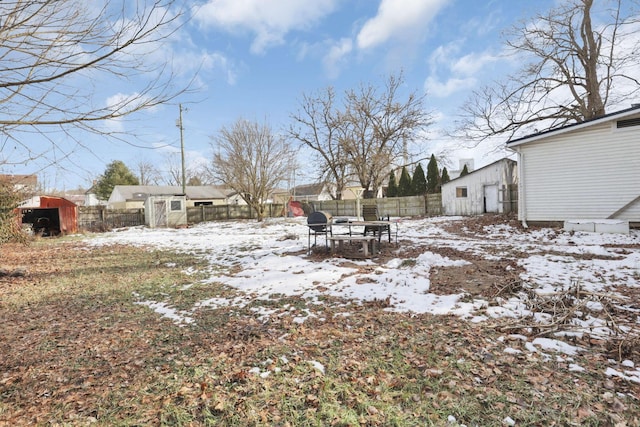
{"points": [[77, 199], [234, 198], [588, 170], [134, 196], [485, 190], [91, 199], [26, 183], [311, 192], [84, 199]]}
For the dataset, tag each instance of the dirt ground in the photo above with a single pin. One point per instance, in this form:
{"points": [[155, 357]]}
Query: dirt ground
{"points": [[80, 356], [481, 278]]}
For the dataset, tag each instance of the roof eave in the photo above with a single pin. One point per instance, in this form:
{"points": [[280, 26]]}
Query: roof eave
{"points": [[574, 126]]}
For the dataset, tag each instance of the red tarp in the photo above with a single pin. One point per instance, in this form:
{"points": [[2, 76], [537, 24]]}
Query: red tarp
{"points": [[295, 208]]}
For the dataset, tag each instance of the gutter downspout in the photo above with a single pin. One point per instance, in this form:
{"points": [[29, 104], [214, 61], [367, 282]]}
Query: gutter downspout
{"points": [[522, 204]]}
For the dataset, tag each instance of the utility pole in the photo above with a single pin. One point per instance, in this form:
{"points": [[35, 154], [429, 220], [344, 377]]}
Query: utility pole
{"points": [[184, 184]]}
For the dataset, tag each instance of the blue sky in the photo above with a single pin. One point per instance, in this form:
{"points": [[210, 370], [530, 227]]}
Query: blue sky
{"points": [[257, 57]]}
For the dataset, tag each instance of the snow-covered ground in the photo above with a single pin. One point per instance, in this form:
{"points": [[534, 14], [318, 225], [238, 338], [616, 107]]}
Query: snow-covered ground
{"points": [[268, 260]]}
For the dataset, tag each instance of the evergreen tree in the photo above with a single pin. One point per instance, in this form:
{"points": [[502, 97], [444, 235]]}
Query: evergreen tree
{"points": [[117, 173], [404, 188], [419, 181], [465, 171], [445, 176], [392, 189], [433, 176]]}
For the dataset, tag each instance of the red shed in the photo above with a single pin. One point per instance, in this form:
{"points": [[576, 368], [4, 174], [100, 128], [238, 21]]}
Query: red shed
{"points": [[55, 215]]}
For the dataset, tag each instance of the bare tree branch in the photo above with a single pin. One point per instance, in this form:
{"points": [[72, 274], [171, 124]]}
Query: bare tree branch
{"points": [[377, 129], [148, 173], [56, 54], [364, 139], [573, 70], [317, 126], [250, 159]]}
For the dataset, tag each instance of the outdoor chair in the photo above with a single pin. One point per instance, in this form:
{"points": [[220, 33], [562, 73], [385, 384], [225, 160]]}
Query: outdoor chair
{"points": [[370, 214]]}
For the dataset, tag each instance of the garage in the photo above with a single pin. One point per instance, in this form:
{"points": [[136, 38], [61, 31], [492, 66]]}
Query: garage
{"points": [[51, 217]]}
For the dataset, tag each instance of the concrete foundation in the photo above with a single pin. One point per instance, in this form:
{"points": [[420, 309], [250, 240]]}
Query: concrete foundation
{"points": [[597, 225]]}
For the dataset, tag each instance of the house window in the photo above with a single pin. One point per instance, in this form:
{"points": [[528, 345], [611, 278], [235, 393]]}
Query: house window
{"points": [[461, 191], [176, 205]]}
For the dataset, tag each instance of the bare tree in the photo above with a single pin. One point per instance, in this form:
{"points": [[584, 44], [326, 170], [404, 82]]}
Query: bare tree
{"points": [[195, 174], [317, 125], [574, 69], [362, 140], [250, 159], [148, 173], [173, 169], [55, 54], [376, 129]]}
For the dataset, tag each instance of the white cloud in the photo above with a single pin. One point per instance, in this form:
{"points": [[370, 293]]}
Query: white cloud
{"points": [[187, 62], [336, 56], [451, 73], [472, 63], [268, 20], [399, 19], [217, 61], [439, 89], [443, 53]]}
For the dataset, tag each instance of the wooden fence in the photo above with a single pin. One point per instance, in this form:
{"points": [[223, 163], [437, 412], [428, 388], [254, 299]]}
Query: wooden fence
{"points": [[225, 212], [511, 199], [429, 205], [99, 218]]}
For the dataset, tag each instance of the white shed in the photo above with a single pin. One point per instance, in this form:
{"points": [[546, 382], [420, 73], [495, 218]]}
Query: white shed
{"points": [[165, 211], [588, 170], [485, 190]]}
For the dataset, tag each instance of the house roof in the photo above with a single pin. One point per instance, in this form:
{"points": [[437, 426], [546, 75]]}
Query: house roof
{"points": [[195, 192], [635, 109], [309, 189], [26, 180], [504, 159]]}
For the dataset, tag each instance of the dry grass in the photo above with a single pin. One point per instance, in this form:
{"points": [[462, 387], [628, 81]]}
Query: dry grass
{"points": [[76, 350]]}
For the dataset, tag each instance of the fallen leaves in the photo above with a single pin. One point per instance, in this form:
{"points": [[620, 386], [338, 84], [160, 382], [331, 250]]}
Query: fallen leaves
{"points": [[84, 353]]}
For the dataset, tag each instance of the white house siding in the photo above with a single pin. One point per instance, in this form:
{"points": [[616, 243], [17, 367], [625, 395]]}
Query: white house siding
{"points": [[133, 196], [499, 174], [589, 173]]}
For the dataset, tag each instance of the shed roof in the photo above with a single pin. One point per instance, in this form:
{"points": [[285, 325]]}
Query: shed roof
{"points": [[55, 202], [504, 159], [635, 109]]}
